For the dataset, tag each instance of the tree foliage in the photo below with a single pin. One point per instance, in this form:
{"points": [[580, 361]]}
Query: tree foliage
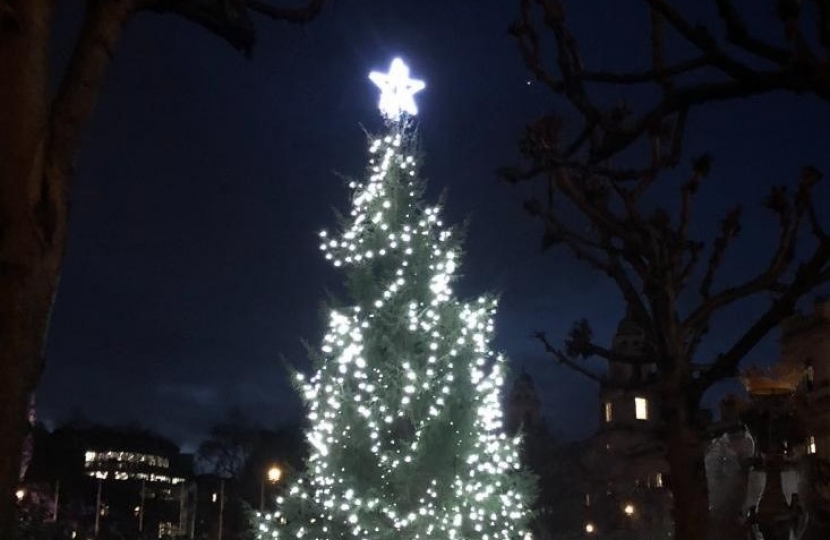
{"points": [[405, 425]]}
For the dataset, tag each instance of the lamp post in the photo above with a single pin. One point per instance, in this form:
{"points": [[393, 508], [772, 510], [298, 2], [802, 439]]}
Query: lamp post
{"points": [[272, 476]]}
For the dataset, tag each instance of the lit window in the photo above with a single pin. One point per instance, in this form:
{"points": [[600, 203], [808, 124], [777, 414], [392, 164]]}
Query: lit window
{"points": [[658, 480], [641, 408], [811, 445], [608, 411]]}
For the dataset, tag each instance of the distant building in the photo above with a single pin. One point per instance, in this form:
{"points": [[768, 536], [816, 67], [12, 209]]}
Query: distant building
{"points": [[788, 414], [805, 350], [102, 481], [625, 488], [767, 464]]}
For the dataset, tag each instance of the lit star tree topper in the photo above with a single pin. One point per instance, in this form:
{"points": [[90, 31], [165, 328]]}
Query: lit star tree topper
{"points": [[397, 90], [404, 417]]}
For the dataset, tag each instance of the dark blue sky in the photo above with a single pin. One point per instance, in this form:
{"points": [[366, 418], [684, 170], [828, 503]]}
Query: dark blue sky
{"points": [[193, 266]]}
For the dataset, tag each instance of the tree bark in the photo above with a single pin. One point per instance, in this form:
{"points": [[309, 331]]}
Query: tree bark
{"points": [[38, 141], [28, 275], [685, 453], [39, 137]]}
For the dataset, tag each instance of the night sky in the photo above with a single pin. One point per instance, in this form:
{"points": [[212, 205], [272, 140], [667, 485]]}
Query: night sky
{"points": [[193, 269]]}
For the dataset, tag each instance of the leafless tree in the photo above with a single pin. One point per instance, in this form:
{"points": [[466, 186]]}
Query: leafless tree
{"points": [[230, 441], [40, 133], [666, 276]]}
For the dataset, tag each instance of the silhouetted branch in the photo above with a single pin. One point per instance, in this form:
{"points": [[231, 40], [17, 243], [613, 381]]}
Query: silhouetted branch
{"points": [[737, 34], [641, 77], [563, 359], [791, 71], [73, 104], [808, 276], [650, 259], [295, 15], [729, 230], [790, 215]]}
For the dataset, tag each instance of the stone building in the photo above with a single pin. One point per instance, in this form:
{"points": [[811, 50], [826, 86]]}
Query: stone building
{"points": [[788, 414], [626, 469], [102, 482], [768, 463]]}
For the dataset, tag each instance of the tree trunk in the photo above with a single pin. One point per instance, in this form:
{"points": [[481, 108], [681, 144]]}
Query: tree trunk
{"points": [[687, 470], [28, 257], [38, 141]]}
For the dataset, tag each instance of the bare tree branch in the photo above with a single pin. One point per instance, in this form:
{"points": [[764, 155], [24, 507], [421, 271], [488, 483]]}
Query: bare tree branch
{"points": [[650, 256], [809, 275], [737, 34], [730, 229], [701, 38], [648, 76], [227, 19], [563, 359], [293, 15], [72, 106], [790, 217], [741, 79]]}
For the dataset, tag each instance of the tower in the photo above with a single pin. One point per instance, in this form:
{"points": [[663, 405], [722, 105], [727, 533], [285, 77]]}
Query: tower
{"points": [[625, 458], [625, 397], [523, 407]]}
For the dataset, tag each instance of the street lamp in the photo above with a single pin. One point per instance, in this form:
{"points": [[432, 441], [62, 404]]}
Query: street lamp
{"points": [[629, 509], [273, 475]]}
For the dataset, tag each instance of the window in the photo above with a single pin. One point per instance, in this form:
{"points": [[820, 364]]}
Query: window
{"points": [[658, 480], [608, 411], [641, 408], [811, 445]]}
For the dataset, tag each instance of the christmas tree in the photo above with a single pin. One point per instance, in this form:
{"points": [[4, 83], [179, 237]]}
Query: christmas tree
{"points": [[406, 438]]}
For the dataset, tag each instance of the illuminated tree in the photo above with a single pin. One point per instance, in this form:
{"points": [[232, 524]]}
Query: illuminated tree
{"points": [[406, 437]]}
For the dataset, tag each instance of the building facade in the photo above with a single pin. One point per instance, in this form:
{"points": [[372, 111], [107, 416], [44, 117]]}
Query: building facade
{"points": [[767, 464], [626, 471], [105, 482]]}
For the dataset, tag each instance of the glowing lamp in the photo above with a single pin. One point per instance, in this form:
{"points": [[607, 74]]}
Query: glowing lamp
{"points": [[274, 474]]}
